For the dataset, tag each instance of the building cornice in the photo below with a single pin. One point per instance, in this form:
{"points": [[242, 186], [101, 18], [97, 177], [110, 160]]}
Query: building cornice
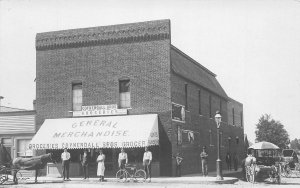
{"points": [[105, 35]]}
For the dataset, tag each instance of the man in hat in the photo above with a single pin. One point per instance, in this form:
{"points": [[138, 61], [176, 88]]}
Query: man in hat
{"points": [[65, 158], [147, 159], [204, 156]]}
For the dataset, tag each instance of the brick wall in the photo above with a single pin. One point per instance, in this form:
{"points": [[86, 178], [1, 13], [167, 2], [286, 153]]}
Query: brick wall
{"points": [[202, 124]]}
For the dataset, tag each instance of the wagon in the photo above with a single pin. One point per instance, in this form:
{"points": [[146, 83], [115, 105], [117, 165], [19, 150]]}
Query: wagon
{"points": [[6, 174], [267, 164], [290, 163]]}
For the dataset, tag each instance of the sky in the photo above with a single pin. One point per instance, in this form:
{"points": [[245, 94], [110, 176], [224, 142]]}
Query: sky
{"points": [[253, 46]]}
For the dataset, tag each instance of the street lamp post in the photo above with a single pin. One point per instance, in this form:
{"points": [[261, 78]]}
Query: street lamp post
{"points": [[218, 119]]}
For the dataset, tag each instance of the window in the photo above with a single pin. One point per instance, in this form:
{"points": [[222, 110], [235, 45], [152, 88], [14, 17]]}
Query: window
{"points": [[242, 119], [7, 142], [221, 106], [210, 138], [199, 98], [186, 96], [179, 135], [77, 96], [221, 139], [124, 89], [23, 149], [233, 116], [210, 113]]}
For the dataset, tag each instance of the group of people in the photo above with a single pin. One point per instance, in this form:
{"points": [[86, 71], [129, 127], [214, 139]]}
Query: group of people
{"points": [[147, 159], [204, 158], [84, 159]]}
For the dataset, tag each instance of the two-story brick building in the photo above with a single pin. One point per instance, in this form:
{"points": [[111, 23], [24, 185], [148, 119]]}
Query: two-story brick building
{"points": [[134, 70]]}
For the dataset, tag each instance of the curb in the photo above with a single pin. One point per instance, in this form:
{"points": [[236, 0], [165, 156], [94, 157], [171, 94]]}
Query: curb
{"points": [[186, 180]]}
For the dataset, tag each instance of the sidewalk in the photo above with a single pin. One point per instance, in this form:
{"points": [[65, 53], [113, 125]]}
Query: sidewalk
{"points": [[186, 179]]}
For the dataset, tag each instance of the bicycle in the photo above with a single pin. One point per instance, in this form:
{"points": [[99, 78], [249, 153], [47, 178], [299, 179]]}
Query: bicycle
{"points": [[131, 171]]}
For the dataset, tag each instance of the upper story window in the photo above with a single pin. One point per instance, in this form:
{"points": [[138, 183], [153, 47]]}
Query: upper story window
{"points": [[233, 122], [220, 105], [210, 138], [124, 90], [242, 119], [77, 96], [199, 98], [186, 96], [210, 112]]}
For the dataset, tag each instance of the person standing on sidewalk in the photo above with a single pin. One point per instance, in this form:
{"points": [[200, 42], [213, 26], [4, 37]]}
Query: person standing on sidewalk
{"points": [[204, 156], [123, 159], [235, 161], [228, 161], [101, 166], [179, 159], [84, 158], [147, 159], [65, 158]]}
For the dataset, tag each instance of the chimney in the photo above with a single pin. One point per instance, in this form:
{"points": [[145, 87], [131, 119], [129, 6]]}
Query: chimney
{"points": [[34, 103], [1, 97]]}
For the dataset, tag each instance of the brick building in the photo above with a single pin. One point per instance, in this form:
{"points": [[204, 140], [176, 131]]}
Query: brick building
{"points": [[136, 67]]}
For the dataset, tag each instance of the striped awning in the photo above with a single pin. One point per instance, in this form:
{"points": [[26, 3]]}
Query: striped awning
{"points": [[97, 132]]}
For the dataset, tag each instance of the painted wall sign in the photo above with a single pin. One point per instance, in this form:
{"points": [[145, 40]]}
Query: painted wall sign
{"points": [[100, 110]]}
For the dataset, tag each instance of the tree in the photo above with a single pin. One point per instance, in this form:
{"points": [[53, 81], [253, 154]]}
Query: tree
{"points": [[295, 144], [272, 131]]}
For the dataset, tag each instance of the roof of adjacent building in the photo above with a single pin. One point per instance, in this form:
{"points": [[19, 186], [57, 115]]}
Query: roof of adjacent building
{"points": [[10, 109], [190, 69]]}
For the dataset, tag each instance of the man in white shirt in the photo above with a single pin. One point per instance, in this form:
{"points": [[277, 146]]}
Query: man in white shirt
{"points": [[147, 159], [65, 158], [123, 159]]}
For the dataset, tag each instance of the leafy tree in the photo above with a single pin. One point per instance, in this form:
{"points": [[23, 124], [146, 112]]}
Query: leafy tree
{"points": [[272, 131], [295, 144]]}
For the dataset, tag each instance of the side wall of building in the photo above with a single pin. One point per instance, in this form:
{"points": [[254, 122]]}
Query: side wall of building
{"points": [[202, 125]]}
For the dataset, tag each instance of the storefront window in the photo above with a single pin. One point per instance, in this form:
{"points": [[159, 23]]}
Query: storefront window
{"points": [[23, 149]]}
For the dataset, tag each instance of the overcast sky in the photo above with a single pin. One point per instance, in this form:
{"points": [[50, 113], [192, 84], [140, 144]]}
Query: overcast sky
{"points": [[252, 46]]}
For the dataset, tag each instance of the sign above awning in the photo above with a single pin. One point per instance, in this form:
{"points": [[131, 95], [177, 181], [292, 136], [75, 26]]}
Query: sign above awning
{"points": [[97, 132]]}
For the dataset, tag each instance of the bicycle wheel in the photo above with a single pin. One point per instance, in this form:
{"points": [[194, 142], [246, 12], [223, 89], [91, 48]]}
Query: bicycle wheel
{"points": [[140, 175], [3, 178], [121, 175]]}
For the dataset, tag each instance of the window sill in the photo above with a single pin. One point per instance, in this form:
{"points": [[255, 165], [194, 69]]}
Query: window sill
{"points": [[211, 145]]}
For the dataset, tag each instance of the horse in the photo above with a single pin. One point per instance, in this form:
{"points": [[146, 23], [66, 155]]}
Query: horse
{"points": [[33, 163]]}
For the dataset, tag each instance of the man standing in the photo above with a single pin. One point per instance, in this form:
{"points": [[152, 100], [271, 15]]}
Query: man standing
{"points": [[65, 158], [204, 156], [179, 159], [228, 161], [85, 164], [123, 159], [147, 159]]}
